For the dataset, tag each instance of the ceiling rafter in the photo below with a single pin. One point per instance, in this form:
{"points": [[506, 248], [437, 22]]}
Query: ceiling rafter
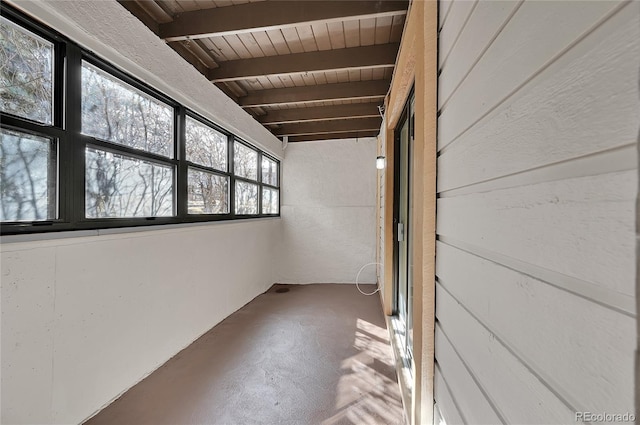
{"points": [[264, 16], [318, 93], [321, 75], [320, 113], [324, 127], [367, 57], [338, 135]]}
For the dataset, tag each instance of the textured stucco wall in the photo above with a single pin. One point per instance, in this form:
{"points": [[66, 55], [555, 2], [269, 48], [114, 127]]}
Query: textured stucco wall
{"points": [[85, 318], [329, 211]]}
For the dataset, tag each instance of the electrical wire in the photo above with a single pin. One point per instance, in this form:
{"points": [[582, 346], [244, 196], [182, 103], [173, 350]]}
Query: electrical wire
{"points": [[358, 277]]}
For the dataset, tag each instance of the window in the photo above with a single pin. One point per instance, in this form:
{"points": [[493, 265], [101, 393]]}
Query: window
{"points": [[208, 193], [205, 145], [246, 198], [116, 112], [245, 161], [28, 174], [208, 187], [26, 74], [120, 186], [269, 201], [269, 171], [256, 189], [270, 186], [83, 145]]}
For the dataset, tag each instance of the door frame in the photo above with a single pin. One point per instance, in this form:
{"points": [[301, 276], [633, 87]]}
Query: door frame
{"points": [[416, 66], [405, 117]]}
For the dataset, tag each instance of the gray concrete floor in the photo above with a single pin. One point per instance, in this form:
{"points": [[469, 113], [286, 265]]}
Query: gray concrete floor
{"points": [[316, 354]]}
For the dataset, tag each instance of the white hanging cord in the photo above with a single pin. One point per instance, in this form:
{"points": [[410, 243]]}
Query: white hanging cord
{"points": [[358, 277]]}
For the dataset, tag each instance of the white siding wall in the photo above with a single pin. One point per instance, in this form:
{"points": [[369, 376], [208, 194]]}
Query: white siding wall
{"points": [[537, 179], [328, 211]]}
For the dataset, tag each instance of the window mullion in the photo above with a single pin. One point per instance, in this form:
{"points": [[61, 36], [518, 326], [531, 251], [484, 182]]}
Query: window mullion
{"points": [[72, 147], [260, 182], [181, 155], [231, 167]]}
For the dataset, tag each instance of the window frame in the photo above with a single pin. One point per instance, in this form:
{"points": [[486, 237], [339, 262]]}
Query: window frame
{"points": [[258, 182], [66, 131]]}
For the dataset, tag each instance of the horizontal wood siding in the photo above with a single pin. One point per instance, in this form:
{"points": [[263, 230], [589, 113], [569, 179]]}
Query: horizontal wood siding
{"points": [[537, 183]]}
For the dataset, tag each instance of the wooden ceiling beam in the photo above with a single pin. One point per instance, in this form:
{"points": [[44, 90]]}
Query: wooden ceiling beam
{"points": [[324, 127], [268, 15], [367, 57], [191, 57], [320, 93], [320, 113], [331, 136]]}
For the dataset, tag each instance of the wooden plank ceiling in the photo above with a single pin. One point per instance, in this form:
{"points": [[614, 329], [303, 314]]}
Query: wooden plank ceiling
{"points": [[305, 69]]}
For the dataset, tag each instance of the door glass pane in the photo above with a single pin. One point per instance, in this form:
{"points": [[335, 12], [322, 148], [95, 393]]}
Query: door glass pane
{"points": [[122, 186], [208, 193], [245, 161], [269, 201], [26, 73], [403, 284], [28, 177], [246, 198], [269, 171], [116, 112], [206, 146]]}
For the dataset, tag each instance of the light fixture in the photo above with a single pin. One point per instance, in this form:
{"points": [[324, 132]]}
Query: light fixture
{"points": [[380, 162]]}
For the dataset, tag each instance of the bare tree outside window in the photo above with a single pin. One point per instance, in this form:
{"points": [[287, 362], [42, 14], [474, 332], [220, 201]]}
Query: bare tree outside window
{"points": [[127, 137], [26, 73], [121, 186], [205, 146], [208, 193], [269, 171], [245, 161], [269, 201], [116, 112], [246, 198], [118, 185], [27, 177]]}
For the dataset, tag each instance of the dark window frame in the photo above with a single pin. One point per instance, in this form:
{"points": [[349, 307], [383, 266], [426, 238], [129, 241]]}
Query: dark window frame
{"points": [[71, 144], [259, 181]]}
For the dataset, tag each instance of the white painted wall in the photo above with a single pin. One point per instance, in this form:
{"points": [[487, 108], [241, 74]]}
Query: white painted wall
{"points": [[537, 180], [86, 317], [328, 211]]}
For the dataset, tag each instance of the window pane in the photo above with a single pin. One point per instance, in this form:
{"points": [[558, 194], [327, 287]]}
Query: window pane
{"points": [[121, 186], [28, 177], [269, 201], [208, 193], [269, 171], [206, 146], [246, 198], [118, 113], [26, 73], [245, 161]]}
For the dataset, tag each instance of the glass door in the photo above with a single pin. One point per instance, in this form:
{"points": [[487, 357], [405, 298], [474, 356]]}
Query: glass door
{"points": [[403, 222]]}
